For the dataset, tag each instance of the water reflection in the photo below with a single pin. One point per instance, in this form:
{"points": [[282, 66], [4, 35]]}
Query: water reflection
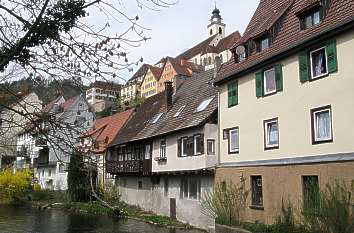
{"points": [[13, 220]]}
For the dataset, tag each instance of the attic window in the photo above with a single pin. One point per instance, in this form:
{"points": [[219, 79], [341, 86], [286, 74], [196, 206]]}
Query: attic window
{"points": [[179, 111], [310, 19], [156, 118], [263, 43], [203, 105]]}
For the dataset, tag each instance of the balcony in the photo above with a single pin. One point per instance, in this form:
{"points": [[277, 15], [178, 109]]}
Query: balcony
{"points": [[41, 142], [129, 167], [43, 159]]}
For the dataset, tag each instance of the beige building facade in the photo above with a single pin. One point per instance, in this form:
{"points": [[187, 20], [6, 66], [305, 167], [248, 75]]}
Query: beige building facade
{"points": [[287, 121]]}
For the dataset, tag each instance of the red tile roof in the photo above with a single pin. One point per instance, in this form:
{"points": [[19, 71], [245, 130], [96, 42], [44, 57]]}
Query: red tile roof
{"points": [[106, 129], [228, 42], [192, 52], [290, 36], [68, 103], [140, 72], [183, 67], [50, 105], [156, 71]]}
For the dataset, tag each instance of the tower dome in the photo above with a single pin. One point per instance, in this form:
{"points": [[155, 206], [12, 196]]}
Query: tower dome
{"points": [[216, 25]]}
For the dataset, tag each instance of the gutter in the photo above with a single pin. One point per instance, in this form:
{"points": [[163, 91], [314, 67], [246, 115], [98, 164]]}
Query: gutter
{"points": [[324, 35]]}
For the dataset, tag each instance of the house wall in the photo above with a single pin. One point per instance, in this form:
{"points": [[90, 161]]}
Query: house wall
{"points": [[282, 169], [13, 123], [149, 85], [129, 91], [168, 74], [284, 183], [152, 197], [64, 140], [175, 163], [292, 107]]}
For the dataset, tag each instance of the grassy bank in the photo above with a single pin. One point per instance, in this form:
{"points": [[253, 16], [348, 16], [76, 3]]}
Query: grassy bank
{"points": [[60, 200]]}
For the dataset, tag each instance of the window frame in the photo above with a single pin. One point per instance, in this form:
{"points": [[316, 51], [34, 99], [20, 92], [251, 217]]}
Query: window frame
{"points": [[255, 205], [265, 93], [182, 151], [305, 191], [237, 151], [265, 130], [185, 191], [195, 144], [212, 152], [233, 84], [316, 140], [163, 147], [312, 77]]}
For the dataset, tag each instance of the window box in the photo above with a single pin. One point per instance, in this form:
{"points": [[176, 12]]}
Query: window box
{"points": [[160, 159], [321, 120], [234, 138], [271, 134]]}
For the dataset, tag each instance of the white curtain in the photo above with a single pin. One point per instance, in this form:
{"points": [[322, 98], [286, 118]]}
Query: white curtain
{"points": [[273, 133], [323, 125], [234, 140]]}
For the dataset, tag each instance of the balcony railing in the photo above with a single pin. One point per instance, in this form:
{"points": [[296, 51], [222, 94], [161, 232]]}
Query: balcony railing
{"points": [[129, 167]]}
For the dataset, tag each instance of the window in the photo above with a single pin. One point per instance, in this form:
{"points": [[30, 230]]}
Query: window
{"points": [[257, 191], [49, 172], [198, 147], [262, 44], [220, 30], [321, 125], [232, 94], [233, 140], [165, 187], [190, 188], [221, 58], [184, 146], [318, 63], [179, 111], [241, 57], [140, 184], [157, 117], [203, 105], [211, 147], [147, 152], [269, 81], [311, 19], [62, 168], [209, 61], [163, 148], [271, 134], [311, 192]]}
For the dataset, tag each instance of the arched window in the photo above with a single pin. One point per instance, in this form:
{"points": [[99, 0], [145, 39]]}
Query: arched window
{"points": [[221, 58], [205, 61], [220, 30], [211, 31], [209, 60]]}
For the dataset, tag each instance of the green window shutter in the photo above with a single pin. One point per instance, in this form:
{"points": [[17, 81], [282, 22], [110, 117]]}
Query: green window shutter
{"points": [[331, 50], [259, 84], [304, 67], [232, 94], [279, 77]]}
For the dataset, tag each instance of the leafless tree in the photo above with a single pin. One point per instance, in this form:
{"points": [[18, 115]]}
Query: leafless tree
{"points": [[60, 40]]}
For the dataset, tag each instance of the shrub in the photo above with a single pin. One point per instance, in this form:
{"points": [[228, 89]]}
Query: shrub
{"points": [[225, 202], [335, 212], [110, 193], [13, 186]]}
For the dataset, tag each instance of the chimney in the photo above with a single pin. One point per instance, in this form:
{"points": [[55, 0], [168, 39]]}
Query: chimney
{"points": [[217, 65], [168, 95]]}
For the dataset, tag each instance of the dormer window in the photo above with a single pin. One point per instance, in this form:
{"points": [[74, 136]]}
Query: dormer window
{"points": [[311, 19], [262, 43]]}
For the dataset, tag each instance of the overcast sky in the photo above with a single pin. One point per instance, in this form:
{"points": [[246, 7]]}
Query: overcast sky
{"points": [[181, 26]]}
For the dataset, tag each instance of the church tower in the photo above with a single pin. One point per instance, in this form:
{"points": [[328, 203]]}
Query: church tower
{"points": [[216, 25]]}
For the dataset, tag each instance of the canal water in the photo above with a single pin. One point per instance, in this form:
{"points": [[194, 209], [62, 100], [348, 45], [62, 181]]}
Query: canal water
{"points": [[28, 220]]}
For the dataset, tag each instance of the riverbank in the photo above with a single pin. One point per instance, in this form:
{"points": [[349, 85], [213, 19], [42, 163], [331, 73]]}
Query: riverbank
{"points": [[59, 200], [96, 208]]}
